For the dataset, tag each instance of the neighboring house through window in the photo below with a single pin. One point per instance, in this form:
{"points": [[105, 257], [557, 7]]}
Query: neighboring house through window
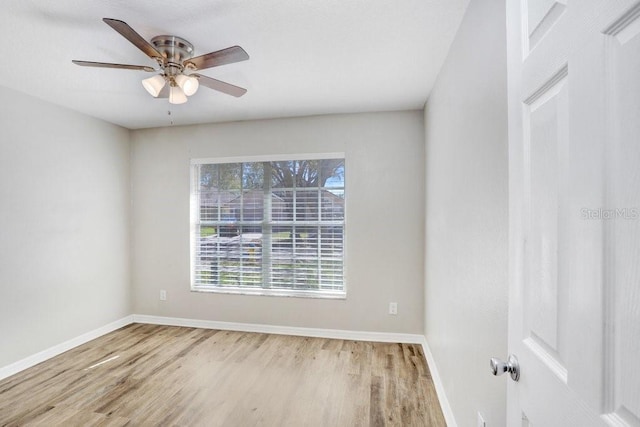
{"points": [[273, 227]]}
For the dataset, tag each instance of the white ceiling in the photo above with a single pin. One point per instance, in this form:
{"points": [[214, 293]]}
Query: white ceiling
{"points": [[307, 56]]}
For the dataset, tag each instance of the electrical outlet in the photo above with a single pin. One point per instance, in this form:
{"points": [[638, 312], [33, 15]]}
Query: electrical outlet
{"points": [[163, 295], [481, 422], [393, 308]]}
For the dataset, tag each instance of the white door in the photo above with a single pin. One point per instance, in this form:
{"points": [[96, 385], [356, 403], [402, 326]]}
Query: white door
{"points": [[574, 187]]}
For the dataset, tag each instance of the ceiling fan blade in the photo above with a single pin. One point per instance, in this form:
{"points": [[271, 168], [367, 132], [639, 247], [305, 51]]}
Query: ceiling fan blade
{"points": [[223, 87], [110, 65], [220, 57], [130, 34]]}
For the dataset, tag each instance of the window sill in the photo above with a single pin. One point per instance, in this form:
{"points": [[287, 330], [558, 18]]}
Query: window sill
{"points": [[275, 292]]}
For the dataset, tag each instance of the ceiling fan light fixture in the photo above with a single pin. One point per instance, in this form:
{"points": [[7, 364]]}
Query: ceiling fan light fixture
{"points": [[154, 84], [176, 95], [188, 84]]}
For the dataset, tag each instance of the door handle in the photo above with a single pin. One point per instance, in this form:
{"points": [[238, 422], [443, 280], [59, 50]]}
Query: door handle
{"points": [[499, 367]]}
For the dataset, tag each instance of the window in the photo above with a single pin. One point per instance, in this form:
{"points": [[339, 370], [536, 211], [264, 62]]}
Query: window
{"points": [[268, 227]]}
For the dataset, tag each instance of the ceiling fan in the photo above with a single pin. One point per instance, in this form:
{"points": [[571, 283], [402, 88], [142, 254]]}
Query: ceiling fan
{"points": [[177, 78]]}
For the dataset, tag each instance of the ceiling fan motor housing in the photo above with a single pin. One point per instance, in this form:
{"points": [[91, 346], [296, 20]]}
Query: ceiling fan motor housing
{"points": [[175, 50]]}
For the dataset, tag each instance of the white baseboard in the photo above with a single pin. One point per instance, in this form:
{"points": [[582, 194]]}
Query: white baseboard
{"points": [[282, 330], [437, 382], [34, 359]]}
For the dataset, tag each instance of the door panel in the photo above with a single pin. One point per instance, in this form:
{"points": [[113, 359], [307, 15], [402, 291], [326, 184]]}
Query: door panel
{"points": [[622, 293], [542, 16], [545, 123]]}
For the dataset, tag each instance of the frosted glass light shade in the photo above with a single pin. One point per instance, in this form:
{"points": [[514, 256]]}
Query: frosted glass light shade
{"points": [[154, 84], [177, 96], [188, 84]]}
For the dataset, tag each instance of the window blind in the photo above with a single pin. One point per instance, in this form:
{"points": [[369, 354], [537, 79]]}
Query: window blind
{"points": [[269, 227]]}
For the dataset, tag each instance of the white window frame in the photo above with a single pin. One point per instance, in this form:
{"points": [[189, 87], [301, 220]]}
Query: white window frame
{"points": [[194, 208]]}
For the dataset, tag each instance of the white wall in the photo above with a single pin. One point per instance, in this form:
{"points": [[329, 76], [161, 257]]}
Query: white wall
{"points": [[385, 219], [64, 209], [467, 216]]}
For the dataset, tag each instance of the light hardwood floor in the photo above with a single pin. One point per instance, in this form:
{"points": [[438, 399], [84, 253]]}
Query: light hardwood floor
{"points": [[147, 375]]}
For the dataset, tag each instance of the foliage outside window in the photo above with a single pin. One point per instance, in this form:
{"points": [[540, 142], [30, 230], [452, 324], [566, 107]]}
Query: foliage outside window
{"points": [[268, 227]]}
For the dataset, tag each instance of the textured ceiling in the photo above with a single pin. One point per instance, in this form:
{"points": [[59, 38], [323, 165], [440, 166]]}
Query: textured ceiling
{"points": [[307, 56]]}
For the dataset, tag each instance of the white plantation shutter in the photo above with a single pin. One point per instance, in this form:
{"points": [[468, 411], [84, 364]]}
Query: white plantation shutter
{"points": [[269, 227]]}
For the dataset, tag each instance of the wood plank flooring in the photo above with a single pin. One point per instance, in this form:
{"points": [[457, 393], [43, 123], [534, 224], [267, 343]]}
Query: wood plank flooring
{"points": [[147, 375]]}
